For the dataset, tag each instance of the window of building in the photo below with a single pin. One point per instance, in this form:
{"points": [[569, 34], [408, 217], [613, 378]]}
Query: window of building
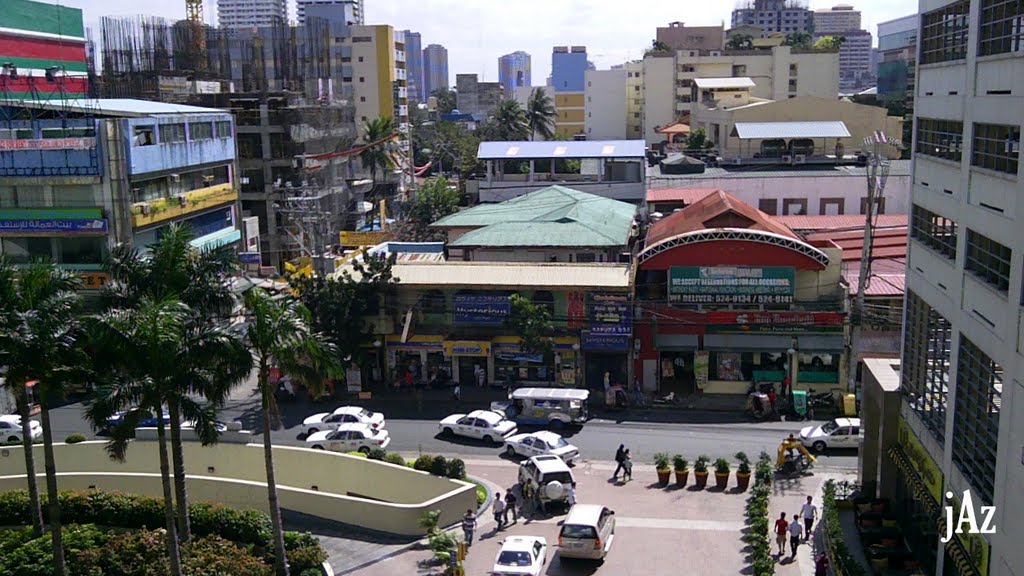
{"points": [[768, 206], [944, 33], [250, 146], [1002, 27], [362, 98], [26, 250], [636, 114], [200, 131], [832, 206], [143, 136], [940, 138], [996, 147], [794, 207], [74, 195], [988, 260], [545, 300], [170, 133], [792, 84], [879, 205], [68, 132], [359, 59], [358, 39], [927, 339], [223, 129], [794, 69], [934, 231], [432, 302], [979, 390], [346, 59], [81, 250], [362, 79], [739, 70], [22, 197], [686, 68]]}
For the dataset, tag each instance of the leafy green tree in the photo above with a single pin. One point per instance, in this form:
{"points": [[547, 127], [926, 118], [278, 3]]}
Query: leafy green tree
{"points": [[280, 334], [658, 47], [532, 323], [509, 122], [698, 140], [446, 100], [829, 43], [799, 40], [540, 115], [174, 269], [434, 200], [451, 147], [46, 344], [339, 304], [740, 42], [374, 157]]}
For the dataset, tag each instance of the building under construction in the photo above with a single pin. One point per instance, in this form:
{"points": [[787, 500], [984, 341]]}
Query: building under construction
{"points": [[786, 16]]}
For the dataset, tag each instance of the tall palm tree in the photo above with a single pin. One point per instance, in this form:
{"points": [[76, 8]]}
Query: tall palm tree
{"points": [[137, 353], [510, 120], [200, 279], [540, 115], [280, 334], [374, 156]]}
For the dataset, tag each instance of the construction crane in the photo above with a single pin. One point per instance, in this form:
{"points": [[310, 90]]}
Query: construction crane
{"points": [[194, 14]]}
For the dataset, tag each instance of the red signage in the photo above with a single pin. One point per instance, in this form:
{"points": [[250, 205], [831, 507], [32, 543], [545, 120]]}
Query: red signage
{"points": [[778, 318], [577, 310], [49, 144]]}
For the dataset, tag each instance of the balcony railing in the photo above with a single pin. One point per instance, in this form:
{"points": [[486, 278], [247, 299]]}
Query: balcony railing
{"points": [[163, 209]]}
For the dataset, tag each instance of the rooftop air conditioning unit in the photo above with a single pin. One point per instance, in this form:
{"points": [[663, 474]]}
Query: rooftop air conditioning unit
{"points": [[787, 159], [800, 159]]}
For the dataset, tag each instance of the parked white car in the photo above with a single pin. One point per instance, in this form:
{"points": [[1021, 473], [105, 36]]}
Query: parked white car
{"points": [[10, 429], [350, 438], [343, 415], [838, 433], [539, 444], [479, 424], [521, 556]]}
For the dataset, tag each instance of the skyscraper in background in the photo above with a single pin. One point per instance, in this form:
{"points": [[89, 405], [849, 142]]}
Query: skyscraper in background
{"points": [[251, 13], [836, 20], [514, 71], [855, 70], [435, 68], [414, 65], [350, 11], [569, 67], [784, 16]]}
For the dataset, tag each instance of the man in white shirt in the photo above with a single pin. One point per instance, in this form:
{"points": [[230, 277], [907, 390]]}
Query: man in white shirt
{"points": [[795, 531], [809, 512]]}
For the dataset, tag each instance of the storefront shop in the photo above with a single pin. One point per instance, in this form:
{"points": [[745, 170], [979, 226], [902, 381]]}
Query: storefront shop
{"points": [[512, 367], [414, 360], [466, 357], [605, 341]]}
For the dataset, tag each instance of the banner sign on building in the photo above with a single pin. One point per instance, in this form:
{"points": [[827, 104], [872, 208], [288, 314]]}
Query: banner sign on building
{"points": [[250, 257], [354, 239], [53, 227], [605, 342], [49, 144], [94, 280], [576, 305], [481, 308], [731, 285], [783, 318], [610, 314], [466, 348]]}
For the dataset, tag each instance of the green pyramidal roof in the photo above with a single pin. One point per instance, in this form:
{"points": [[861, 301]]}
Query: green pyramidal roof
{"points": [[553, 216]]}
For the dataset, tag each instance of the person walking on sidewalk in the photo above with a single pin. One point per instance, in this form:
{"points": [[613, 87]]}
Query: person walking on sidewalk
{"points": [[809, 513], [620, 456], [469, 526], [499, 510], [510, 506], [457, 392], [795, 532], [627, 466], [781, 527], [481, 375]]}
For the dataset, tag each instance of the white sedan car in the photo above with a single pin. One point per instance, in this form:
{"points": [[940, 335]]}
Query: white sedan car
{"points": [[343, 415], [350, 438], [838, 433], [10, 429], [521, 556], [479, 424], [539, 444]]}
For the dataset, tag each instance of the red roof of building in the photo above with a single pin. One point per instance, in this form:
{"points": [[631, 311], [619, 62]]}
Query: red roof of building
{"points": [[888, 242], [684, 195], [839, 222], [716, 210], [888, 278]]}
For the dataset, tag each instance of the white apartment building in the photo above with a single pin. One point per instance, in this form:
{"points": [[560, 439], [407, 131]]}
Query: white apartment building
{"points": [[778, 74], [836, 20], [606, 105], [963, 354], [251, 13]]}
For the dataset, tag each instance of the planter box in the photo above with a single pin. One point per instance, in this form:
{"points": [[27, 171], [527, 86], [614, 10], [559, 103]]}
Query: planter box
{"points": [[700, 479], [721, 480], [681, 477]]}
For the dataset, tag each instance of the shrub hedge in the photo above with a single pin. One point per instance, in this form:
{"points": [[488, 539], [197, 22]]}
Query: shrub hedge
{"points": [[835, 545], [761, 561], [75, 438]]}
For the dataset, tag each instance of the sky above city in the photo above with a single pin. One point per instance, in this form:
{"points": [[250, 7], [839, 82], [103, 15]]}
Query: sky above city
{"points": [[477, 32]]}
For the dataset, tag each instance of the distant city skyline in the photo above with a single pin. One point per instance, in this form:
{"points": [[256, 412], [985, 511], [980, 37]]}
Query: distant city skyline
{"points": [[477, 33]]}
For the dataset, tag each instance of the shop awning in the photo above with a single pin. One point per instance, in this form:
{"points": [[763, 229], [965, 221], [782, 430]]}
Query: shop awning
{"points": [[670, 341], [822, 343], [222, 237], [749, 342]]}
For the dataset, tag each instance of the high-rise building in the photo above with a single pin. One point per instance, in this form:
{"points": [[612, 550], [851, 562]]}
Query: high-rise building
{"points": [[251, 13], [606, 105], [770, 16], [634, 99], [897, 59], [960, 417], [514, 71], [568, 79], [379, 74], [414, 65], [35, 38], [836, 20], [678, 36], [349, 11], [435, 68]]}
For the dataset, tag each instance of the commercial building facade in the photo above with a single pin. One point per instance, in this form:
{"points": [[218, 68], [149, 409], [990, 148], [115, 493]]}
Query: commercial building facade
{"points": [[514, 71], [42, 52], [568, 79], [435, 68]]}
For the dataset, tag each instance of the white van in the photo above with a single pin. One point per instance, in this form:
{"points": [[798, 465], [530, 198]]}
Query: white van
{"points": [[587, 532]]}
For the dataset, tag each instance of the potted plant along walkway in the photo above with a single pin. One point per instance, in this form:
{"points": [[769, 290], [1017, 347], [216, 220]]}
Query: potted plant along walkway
{"points": [[721, 473], [682, 469], [661, 462], [743, 471], [700, 472]]}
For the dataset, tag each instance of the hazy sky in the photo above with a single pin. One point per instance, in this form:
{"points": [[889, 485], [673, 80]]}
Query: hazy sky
{"points": [[476, 32]]}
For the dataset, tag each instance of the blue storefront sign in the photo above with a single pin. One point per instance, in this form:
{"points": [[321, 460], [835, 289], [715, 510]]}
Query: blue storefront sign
{"points": [[250, 257], [481, 309], [606, 342], [610, 314], [53, 226]]}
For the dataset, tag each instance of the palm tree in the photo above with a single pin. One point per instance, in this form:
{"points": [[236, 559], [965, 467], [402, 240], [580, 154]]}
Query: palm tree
{"points": [[200, 279], [540, 115], [374, 156], [136, 354], [740, 42], [510, 121], [280, 334]]}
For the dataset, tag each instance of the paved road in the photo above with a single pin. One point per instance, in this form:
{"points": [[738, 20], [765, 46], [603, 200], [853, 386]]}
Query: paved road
{"points": [[412, 424]]}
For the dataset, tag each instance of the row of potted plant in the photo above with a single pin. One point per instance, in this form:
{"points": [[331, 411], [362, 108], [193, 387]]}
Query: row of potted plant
{"points": [[835, 546], [722, 467], [761, 561]]}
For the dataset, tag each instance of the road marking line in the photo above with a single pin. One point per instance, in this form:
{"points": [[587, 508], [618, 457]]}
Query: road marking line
{"points": [[664, 524]]}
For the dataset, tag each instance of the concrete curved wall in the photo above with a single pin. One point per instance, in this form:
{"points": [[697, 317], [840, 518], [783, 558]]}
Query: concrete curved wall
{"points": [[337, 487]]}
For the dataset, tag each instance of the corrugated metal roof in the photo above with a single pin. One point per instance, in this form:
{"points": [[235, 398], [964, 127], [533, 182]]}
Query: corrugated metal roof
{"points": [[554, 234], [508, 275], [830, 129], [898, 168], [685, 195], [119, 107], [562, 149], [839, 222], [879, 285], [713, 83], [717, 210]]}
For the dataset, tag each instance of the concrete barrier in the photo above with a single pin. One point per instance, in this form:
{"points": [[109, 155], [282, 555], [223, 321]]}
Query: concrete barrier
{"points": [[338, 487]]}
